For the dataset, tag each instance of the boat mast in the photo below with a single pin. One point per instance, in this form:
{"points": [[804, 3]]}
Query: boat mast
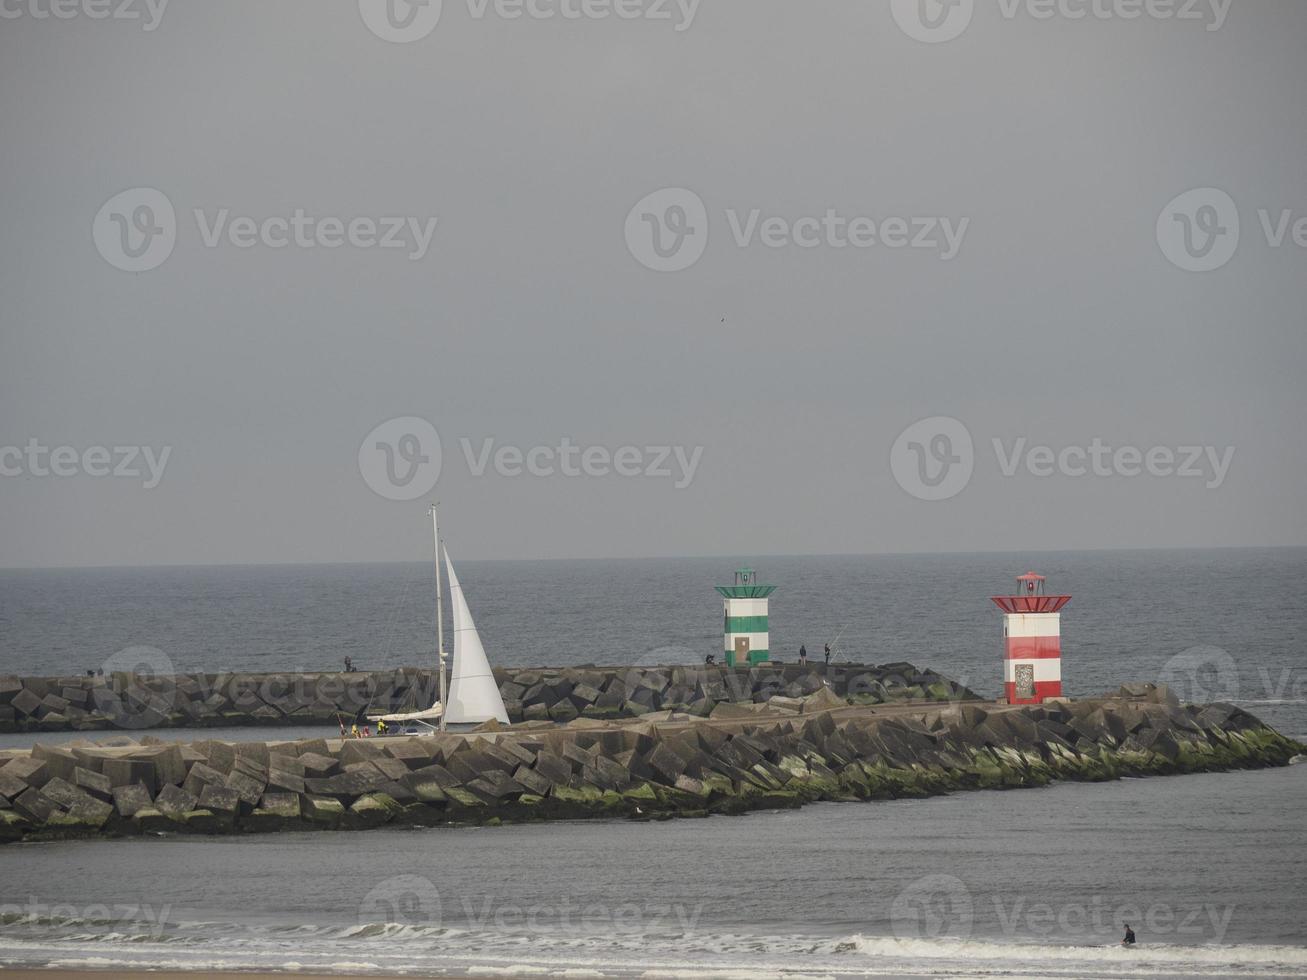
{"points": [[440, 619]]}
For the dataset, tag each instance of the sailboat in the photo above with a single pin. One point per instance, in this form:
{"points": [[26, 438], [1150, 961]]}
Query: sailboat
{"points": [[473, 696]]}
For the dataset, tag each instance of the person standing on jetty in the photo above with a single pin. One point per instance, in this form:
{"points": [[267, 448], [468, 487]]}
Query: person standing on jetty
{"points": [[827, 654], [803, 654]]}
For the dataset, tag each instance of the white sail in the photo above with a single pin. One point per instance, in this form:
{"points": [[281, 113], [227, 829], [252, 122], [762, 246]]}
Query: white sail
{"points": [[473, 693]]}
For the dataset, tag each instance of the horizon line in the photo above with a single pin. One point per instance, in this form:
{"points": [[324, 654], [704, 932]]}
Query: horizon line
{"points": [[700, 557]]}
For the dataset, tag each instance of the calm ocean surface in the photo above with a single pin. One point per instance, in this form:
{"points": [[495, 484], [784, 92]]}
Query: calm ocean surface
{"points": [[1029, 883]]}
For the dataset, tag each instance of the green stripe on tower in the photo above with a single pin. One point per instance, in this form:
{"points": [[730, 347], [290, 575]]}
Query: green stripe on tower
{"points": [[746, 624]]}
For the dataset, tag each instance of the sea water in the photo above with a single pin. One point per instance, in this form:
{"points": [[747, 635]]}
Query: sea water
{"points": [[1208, 869]]}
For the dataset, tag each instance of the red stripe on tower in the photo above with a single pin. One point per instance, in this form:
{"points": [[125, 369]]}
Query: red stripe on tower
{"points": [[1032, 635]]}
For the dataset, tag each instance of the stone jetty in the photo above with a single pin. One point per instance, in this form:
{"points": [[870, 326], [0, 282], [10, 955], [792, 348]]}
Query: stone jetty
{"points": [[778, 753], [135, 701]]}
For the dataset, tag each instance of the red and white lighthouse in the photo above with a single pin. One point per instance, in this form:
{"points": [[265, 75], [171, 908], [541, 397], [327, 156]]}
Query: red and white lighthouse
{"points": [[1032, 636]]}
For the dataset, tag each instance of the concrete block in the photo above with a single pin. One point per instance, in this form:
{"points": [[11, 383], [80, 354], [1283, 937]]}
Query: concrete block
{"points": [[11, 786], [169, 764], [282, 762], [97, 784], [322, 810], [126, 771], [25, 703], [129, 800], [281, 804], [319, 765], [410, 751], [31, 771], [33, 805], [10, 687], [173, 801], [219, 755], [59, 762], [201, 775], [287, 782], [220, 800], [247, 787]]}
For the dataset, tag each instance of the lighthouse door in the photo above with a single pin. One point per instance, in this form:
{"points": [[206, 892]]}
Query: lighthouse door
{"points": [[1024, 675], [741, 651]]}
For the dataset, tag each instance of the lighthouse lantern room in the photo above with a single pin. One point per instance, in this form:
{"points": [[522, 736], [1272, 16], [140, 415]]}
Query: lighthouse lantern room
{"points": [[1032, 628]]}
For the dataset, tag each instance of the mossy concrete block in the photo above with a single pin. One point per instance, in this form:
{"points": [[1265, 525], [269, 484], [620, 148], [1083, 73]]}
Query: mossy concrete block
{"points": [[325, 811], [205, 821], [13, 825], [373, 809]]}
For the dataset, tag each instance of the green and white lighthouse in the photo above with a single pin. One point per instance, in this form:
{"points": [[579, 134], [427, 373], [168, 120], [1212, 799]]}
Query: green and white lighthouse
{"points": [[745, 609]]}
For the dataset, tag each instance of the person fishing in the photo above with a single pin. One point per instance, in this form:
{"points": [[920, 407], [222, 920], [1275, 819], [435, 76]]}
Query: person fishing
{"points": [[1129, 939], [827, 654], [382, 727]]}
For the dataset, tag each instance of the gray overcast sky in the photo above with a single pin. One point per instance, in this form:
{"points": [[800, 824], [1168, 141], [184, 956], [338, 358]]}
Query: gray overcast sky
{"points": [[1052, 147]]}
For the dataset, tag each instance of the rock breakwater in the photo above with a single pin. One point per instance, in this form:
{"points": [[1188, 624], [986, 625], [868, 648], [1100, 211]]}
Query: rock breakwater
{"points": [[775, 754]]}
